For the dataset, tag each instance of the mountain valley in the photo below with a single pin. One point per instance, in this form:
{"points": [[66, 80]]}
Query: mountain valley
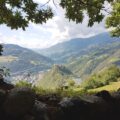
{"points": [[82, 57]]}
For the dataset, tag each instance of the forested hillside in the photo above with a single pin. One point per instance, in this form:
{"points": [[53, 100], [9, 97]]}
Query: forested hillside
{"points": [[21, 60], [96, 59]]}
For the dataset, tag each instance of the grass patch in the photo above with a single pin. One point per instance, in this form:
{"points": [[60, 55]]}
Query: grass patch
{"points": [[7, 59], [114, 60], [60, 92], [112, 87]]}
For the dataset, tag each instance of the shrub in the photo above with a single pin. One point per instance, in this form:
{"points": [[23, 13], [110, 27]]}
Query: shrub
{"points": [[23, 84], [105, 77]]}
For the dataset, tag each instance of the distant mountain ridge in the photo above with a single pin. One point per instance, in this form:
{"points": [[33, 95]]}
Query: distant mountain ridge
{"points": [[96, 59], [19, 59], [80, 57], [84, 56], [63, 51]]}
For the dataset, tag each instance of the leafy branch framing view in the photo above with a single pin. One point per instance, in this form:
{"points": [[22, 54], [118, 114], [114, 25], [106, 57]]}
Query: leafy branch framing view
{"points": [[19, 13]]}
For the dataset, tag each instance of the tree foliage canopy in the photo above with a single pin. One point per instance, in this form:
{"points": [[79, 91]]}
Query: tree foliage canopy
{"points": [[18, 13], [75, 10], [95, 10], [113, 21]]}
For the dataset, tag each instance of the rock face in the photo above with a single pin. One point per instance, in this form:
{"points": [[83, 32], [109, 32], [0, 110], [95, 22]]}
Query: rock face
{"points": [[40, 111], [93, 107], [19, 102], [105, 95], [73, 109], [24, 104]]}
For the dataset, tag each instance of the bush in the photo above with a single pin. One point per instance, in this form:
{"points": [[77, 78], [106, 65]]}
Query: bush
{"points": [[105, 77], [23, 84]]}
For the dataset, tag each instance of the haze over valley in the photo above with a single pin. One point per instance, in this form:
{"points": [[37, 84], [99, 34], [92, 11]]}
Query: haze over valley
{"points": [[81, 56]]}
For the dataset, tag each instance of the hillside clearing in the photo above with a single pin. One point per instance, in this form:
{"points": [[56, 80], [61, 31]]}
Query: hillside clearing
{"points": [[114, 86]]}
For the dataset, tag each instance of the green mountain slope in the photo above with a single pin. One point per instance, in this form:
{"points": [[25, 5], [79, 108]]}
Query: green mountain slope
{"points": [[21, 60], [88, 55], [96, 59], [55, 78], [102, 78]]}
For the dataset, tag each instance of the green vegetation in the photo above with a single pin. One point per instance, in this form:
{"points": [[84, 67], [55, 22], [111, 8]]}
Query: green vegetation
{"points": [[86, 56], [113, 21], [95, 59], [75, 12], [71, 83], [104, 77], [23, 83], [60, 79], [57, 77], [70, 91], [18, 59], [107, 79], [112, 87], [20, 12]]}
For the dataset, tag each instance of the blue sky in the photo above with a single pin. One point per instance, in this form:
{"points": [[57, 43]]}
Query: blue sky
{"points": [[56, 30]]}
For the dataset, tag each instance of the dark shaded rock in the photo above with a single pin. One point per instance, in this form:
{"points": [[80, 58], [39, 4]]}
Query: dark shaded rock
{"points": [[2, 96], [99, 108], [51, 99], [115, 104], [73, 109], [28, 117], [85, 108], [54, 100], [105, 95], [19, 102], [94, 99], [116, 96], [39, 111], [66, 102], [118, 91], [3, 85], [2, 99]]}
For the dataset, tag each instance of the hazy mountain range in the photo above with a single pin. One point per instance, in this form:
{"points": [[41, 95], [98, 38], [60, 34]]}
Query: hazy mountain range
{"points": [[87, 55], [65, 51], [19, 59], [82, 56]]}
